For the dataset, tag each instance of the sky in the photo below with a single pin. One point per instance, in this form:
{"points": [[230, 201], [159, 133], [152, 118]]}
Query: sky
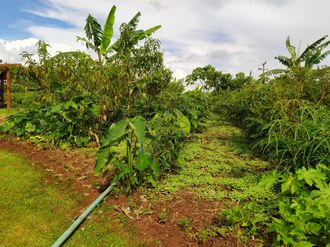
{"points": [[232, 35]]}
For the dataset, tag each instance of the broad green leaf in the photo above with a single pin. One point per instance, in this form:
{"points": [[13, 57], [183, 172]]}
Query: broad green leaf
{"points": [[29, 127], [103, 156], [138, 125], [291, 184], [56, 108], [312, 228], [269, 180], [148, 32], [155, 168], [311, 176], [108, 30], [115, 133], [304, 244], [142, 162], [69, 104]]}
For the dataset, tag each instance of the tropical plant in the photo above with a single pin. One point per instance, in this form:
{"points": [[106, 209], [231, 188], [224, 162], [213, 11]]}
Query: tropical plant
{"points": [[100, 40], [167, 131], [303, 217], [136, 167], [97, 39], [208, 78], [311, 56]]}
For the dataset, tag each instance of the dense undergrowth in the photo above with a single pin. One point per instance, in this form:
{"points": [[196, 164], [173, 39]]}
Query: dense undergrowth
{"points": [[287, 122]]}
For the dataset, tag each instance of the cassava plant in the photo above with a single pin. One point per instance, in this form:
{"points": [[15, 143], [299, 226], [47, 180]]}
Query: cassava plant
{"points": [[303, 217]]}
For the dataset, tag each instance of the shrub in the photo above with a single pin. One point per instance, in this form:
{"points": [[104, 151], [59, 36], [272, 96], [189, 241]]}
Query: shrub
{"points": [[303, 217]]}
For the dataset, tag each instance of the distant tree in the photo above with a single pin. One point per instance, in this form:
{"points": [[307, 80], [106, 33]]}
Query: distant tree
{"points": [[208, 78], [240, 80]]}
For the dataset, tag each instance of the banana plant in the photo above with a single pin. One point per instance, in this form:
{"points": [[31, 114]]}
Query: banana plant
{"points": [[313, 55], [129, 37], [134, 168], [97, 39], [100, 40]]}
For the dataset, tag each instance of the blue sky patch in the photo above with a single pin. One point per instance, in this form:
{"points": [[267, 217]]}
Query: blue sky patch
{"points": [[15, 18]]}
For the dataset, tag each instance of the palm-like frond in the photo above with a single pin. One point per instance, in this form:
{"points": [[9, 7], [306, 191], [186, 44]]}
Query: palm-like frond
{"points": [[291, 48], [148, 32], [87, 42], [284, 60], [312, 47], [132, 24], [108, 30], [323, 56], [93, 30], [274, 72]]}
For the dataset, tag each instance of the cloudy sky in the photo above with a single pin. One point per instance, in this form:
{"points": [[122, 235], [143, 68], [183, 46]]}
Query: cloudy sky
{"points": [[232, 35]]}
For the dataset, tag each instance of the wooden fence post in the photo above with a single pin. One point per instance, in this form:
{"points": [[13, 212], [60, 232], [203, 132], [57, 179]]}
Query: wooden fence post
{"points": [[8, 88]]}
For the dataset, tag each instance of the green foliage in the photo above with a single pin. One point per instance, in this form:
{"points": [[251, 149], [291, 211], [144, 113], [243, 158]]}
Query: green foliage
{"points": [[167, 131], [99, 40], [304, 206], [208, 78], [135, 168], [298, 134], [184, 223], [250, 216], [311, 56], [61, 124], [162, 217], [121, 88], [192, 104]]}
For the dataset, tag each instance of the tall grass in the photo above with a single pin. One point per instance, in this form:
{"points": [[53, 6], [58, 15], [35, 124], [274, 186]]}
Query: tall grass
{"points": [[298, 134]]}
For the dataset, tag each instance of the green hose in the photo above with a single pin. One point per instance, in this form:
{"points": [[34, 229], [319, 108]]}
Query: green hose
{"points": [[80, 219]]}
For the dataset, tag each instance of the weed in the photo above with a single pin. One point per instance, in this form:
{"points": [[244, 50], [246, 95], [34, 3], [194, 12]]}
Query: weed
{"points": [[184, 223], [162, 217]]}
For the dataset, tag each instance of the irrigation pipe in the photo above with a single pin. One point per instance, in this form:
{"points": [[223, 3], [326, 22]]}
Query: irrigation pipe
{"points": [[80, 219]]}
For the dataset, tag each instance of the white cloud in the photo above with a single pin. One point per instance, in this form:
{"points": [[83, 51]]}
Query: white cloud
{"points": [[231, 35], [10, 50]]}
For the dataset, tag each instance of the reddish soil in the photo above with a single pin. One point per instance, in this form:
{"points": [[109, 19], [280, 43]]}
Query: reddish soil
{"points": [[76, 169]]}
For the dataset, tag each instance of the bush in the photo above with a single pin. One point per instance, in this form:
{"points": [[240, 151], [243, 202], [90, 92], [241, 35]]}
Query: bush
{"points": [[304, 206]]}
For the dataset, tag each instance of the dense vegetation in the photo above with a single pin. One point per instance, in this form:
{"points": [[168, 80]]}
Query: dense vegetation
{"points": [[129, 98]]}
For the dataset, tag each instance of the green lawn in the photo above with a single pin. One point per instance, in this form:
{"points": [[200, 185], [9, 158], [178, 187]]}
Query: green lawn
{"points": [[34, 213]]}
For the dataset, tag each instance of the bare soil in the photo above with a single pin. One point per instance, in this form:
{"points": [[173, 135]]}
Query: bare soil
{"points": [[75, 168]]}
